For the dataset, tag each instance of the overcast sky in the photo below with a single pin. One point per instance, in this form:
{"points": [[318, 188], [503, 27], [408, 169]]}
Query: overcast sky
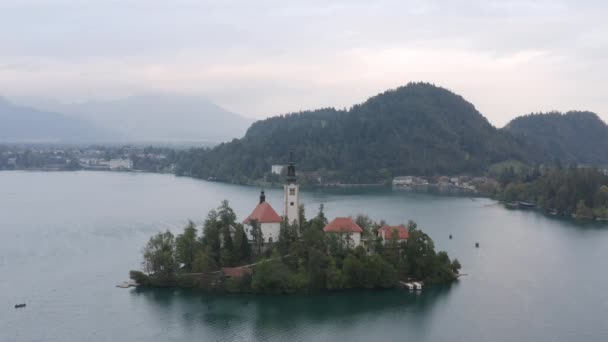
{"points": [[262, 58]]}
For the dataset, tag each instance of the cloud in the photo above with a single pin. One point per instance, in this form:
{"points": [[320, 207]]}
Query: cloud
{"points": [[271, 57]]}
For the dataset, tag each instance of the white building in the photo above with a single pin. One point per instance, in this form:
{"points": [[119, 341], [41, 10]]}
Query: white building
{"points": [[267, 218], [277, 169], [347, 229]]}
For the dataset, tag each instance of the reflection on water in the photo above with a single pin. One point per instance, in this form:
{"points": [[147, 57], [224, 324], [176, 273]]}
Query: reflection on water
{"points": [[296, 316]]}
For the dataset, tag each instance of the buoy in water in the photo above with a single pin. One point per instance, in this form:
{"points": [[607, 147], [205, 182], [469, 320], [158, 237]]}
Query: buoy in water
{"points": [[17, 306], [477, 244], [450, 236]]}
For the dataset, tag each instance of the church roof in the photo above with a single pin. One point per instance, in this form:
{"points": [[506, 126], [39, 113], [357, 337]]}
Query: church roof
{"points": [[388, 232], [342, 225], [263, 213]]}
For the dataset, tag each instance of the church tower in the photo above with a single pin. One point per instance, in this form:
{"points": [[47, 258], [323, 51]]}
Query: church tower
{"points": [[292, 203]]}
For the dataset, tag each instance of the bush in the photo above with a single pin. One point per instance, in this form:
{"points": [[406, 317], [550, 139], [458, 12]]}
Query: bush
{"points": [[139, 277]]}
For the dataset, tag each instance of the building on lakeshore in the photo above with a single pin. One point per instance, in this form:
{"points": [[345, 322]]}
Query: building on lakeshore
{"points": [[276, 169], [386, 233], [348, 230], [267, 218]]}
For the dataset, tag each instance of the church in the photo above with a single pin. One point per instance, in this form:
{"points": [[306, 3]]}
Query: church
{"points": [[267, 217]]}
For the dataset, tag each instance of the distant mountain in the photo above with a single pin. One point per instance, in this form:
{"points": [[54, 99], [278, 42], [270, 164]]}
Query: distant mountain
{"points": [[24, 124], [161, 118], [418, 129], [580, 137]]}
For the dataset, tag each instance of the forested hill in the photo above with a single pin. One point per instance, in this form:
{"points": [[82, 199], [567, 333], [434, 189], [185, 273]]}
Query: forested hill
{"points": [[416, 129], [573, 137]]}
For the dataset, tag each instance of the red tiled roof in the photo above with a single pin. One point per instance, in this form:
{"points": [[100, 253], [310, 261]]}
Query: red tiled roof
{"points": [[342, 225], [263, 213], [235, 271], [388, 232]]}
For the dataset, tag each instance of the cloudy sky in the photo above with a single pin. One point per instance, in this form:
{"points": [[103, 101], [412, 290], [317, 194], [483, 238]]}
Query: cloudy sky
{"points": [[262, 58]]}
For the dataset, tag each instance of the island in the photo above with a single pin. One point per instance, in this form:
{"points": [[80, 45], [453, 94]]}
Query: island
{"points": [[268, 253]]}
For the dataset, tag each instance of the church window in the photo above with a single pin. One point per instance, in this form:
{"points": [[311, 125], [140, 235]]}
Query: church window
{"points": [[292, 191], [291, 203]]}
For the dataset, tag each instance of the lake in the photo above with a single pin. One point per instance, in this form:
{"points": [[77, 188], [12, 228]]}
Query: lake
{"points": [[67, 238]]}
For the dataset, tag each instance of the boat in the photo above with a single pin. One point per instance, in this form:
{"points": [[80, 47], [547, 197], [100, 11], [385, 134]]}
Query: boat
{"points": [[17, 306]]}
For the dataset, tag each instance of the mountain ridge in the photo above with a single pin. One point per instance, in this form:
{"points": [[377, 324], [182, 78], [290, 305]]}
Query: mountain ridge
{"points": [[155, 117], [572, 137], [415, 129]]}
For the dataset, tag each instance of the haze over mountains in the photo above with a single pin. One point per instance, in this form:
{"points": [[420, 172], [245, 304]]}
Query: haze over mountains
{"points": [[25, 124], [150, 118]]}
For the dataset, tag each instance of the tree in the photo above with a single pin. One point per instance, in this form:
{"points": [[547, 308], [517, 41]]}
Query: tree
{"points": [[352, 271], [227, 251], [456, 266], [288, 236], [242, 249], [226, 214], [334, 280], [204, 261], [187, 245], [272, 277], [211, 234], [159, 256], [366, 223]]}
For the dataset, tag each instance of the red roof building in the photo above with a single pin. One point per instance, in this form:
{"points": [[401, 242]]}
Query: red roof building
{"points": [[235, 272], [342, 225], [263, 213], [386, 232]]}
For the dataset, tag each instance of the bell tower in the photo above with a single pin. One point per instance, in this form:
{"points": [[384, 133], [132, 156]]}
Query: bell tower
{"points": [[291, 188]]}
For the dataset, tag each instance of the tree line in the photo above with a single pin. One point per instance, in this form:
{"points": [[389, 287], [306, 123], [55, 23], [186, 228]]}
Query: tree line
{"points": [[561, 190]]}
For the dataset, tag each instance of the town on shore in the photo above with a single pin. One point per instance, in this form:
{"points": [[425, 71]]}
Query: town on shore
{"points": [[573, 191], [269, 253]]}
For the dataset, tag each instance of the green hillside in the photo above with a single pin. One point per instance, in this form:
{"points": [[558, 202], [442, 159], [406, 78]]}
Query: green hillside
{"points": [[416, 129], [573, 137]]}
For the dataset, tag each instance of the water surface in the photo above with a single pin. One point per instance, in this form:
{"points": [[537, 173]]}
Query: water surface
{"points": [[67, 238]]}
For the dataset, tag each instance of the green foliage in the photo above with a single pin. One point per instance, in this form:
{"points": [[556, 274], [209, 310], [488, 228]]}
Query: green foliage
{"points": [[159, 256], [241, 247], [204, 261], [272, 277], [580, 137], [139, 277], [186, 246], [417, 129], [583, 191], [305, 260]]}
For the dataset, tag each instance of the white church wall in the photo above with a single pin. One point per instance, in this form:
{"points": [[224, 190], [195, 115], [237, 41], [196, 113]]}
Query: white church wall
{"points": [[269, 231]]}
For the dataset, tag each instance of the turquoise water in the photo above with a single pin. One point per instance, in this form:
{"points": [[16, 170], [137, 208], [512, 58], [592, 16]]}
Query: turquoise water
{"points": [[66, 240]]}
